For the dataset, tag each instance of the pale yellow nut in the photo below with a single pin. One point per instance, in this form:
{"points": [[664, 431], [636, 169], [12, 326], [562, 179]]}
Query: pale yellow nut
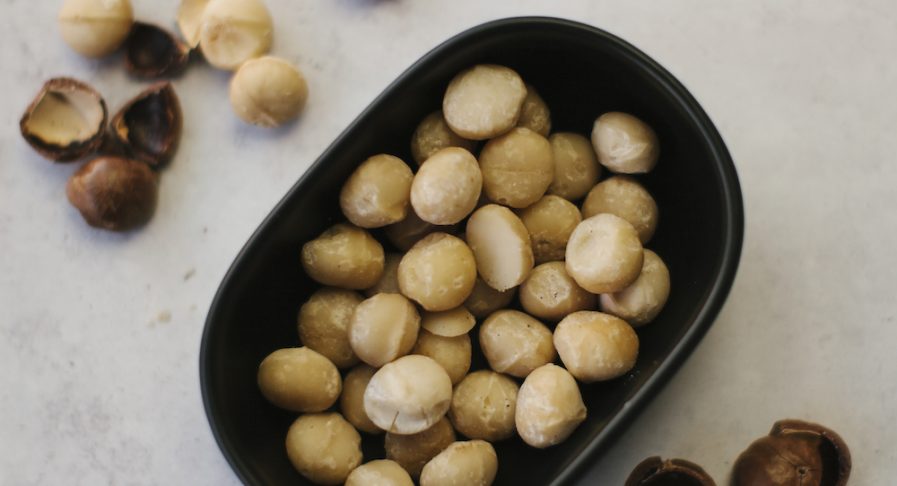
{"points": [[452, 353], [576, 167], [483, 406], [382, 472], [468, 463], [626, 198], [595, 346], [550, 221], [351, 401], [485, 300], [408, 395], [413, 451], [483, 101], [389, 281], [234, 31], [515, 343], [344, 256], [410, 230], [268, 92], [299, 379], [640, 303], [377, 193], [604, 254], [324, 322], [517, 167], [550, 293], [501, 245], [189, 20], [625, 144], [438, 272], [549, 407], [382, 328], [535, 114], [95, 28], [432, 135], [447, 186], [450, 323], [323, 447]]}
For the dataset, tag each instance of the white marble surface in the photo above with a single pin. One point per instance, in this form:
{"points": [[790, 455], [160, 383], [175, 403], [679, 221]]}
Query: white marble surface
{"points": [[99, 332]]}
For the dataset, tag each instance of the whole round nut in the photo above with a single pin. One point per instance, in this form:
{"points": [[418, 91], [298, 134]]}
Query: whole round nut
{"points": [[483, 101], [501, 245], [625, 144], [640, 303], [453, 322], [377, 193], [576, 167], [114, 193], [535, 114], [299, 379], [595, 346], [447, 186], [549, 407], [485, 300], [344, 256], [550, 293], [65, 121], [517, 167], [483, 406], [626, 198], [452, 353], [471, 463], [655, 471], [324, 324], [408, 395], [550, 222], [351, 401], [432, 135], [323, 447], [389, 281], [382, 328], [268, 91], [438, 272], [382, 472], [95, 28], [604, 254], [234, 31], [413, 451], [515, 343]]}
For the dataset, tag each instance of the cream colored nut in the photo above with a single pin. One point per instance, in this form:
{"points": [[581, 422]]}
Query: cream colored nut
{"points": [[501, 245], [95, 28], [485, 300], [410, 230], [389, 281], [595, 346], [549, 293], [452, 353], [234, 31], [576, 168], [408, 395], [438, 272], [377, 193], [517, 167], [483, 406], [450, 323], [640, 303], [626, 198], [379, 473], [299, 379], [550, 221], [323, 447], [190, 20], [470, 463], [324, 323], [351, 402], [604, 254], [515, 343], [432, 135], [383, 328], [447, 186], [625, 144], [268, 92], [535, 114], [344, 256], [413, 451], [549, 407], [483, 101]]}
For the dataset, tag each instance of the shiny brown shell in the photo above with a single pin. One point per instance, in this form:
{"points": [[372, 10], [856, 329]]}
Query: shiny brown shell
{"points": [[114, 193], [655, 471], [65, 121], [148, 127], [152, 52]]}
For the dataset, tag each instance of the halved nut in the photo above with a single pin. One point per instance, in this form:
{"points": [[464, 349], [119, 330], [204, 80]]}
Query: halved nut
{"points": [[65, 120], [152, 51], [149, 126]]}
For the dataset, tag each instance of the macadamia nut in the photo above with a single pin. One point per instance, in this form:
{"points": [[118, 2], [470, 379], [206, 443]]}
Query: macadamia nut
{"points": [[485, 300], [549, 407], [501, 245], [452, 353], [438, 272], [626, 198], [408, 395], [447, 186], [576, 168], [95, 28], [535, 114], [324, 323], [323, 447], [413, 451], [483, 101], [470, 463], [410, 230], [234, 31], [299, 379], [625, 144], [515, 343], [351, 402], [379, 473], [604, 254], [268, 92], [549, 293], [640, 303], [595, 346], [344, 256], [389, 281], [483, 406], [517, 167], [432, 135], [383, 327], [378, 192], [450, 323], [550, 221]]}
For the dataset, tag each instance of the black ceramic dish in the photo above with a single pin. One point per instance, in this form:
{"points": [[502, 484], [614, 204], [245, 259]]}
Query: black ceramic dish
{"points": [[581, 72]]}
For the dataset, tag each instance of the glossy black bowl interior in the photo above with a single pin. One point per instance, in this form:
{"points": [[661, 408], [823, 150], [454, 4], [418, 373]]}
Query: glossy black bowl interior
{"points": [[581, 72]]}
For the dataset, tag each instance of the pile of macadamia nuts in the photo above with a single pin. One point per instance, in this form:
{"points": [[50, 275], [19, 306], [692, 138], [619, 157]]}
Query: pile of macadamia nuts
{"points": [[517, 242]]}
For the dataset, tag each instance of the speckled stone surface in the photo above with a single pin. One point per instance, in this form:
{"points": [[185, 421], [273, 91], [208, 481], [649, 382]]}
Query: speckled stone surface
{"points": [[99, 332]]}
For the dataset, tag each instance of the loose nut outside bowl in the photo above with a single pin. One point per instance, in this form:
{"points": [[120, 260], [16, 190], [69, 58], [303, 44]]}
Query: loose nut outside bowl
{"points": [[699, 237]]}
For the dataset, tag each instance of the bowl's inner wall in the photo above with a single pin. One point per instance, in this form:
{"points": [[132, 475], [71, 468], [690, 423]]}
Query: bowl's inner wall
{"points": [[580, 77]]}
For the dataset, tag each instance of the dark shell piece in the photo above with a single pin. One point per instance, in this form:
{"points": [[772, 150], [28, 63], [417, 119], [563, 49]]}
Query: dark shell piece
{"points": [[655, 471], [148, 128], [62, 89], [152, 52], [114, 193]]}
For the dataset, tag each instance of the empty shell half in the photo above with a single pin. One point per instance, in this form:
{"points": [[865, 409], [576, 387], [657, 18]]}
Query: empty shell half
{"points": [[65, 120], [151, 51], [149, 126]]}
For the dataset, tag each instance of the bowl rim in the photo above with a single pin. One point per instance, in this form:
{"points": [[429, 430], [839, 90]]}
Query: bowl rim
{"points": [[733, 235]]}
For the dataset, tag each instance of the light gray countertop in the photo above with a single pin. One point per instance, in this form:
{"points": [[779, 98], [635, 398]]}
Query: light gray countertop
{"points": [[99, 332]]}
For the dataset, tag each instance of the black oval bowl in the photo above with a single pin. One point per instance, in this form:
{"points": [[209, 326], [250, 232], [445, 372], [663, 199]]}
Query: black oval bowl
{"points": [[581, 72]]}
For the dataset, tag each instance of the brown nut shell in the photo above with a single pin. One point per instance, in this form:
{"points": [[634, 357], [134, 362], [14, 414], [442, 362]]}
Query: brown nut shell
{"points": [[655, 471], [114, 193], [65, 121], [149, 126], [413, 451], [151, 52]]}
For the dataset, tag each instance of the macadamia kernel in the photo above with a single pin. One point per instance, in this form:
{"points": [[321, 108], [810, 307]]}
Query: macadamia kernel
{"points": [[470, 463], [408, 395], [268, 92], [438, 272], [549, 407], [432, 135], [625, 144], [483, 101], [640, 303], [517, 167], [549, 293], [550, 221], [382, 328], [413, 451], [604, 254], [595, 346], [447, 186], [501, 245], [324, 322], [452, 353], [351, 402], [378, 192], [576, 167], [299, 379], [515, 343], [344, 256], [483, 406], [323, 447]]}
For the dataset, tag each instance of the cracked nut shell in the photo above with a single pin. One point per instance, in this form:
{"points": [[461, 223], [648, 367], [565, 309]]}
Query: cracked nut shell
{"points": [[655, 471], [65, 120], [152, 51], [114, 193], [148, 127]]}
